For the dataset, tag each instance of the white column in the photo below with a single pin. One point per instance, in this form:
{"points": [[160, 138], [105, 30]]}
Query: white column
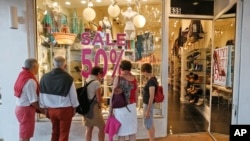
{"points": [[14, 50], [241, 87]]}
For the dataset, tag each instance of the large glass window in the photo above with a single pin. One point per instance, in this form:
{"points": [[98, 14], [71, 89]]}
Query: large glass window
{"points": [[101, 35]]}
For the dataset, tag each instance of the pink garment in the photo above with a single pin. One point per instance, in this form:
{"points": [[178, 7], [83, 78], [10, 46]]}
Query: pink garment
{"points": [[112, 126], [23, 77]]}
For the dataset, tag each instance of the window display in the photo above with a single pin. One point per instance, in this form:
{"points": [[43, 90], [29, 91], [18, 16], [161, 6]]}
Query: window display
{"points": [[104, 44]]}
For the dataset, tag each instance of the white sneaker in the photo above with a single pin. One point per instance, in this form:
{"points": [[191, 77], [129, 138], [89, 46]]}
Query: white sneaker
{"points": [[191, 101], [200, 102]]}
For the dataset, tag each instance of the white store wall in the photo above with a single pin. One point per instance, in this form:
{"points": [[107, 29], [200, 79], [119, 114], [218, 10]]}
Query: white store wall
{"points": [[13, 52], [243, 75]]}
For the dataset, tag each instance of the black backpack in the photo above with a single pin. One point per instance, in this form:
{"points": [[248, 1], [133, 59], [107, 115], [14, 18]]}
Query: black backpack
{"points": [[84, 102]]}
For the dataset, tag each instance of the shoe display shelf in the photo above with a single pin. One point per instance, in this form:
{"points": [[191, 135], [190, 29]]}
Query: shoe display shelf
{"points": [[197, 61]]}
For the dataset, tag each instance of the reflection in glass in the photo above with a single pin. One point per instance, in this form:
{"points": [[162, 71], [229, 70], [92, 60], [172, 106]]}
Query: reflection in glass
{"points": [[221, 107]]}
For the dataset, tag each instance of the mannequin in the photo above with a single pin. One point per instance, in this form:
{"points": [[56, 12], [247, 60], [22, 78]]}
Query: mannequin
{"points": [[106, 27], [129, 29]]}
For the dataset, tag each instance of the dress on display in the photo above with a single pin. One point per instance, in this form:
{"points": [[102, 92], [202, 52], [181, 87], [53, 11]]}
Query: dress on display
{"points": [[144, 45], [139, 47], [129, 29], [107, 27]]}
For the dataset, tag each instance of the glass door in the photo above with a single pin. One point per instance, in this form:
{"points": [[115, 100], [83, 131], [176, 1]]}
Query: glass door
{"points": [[222, 74]]}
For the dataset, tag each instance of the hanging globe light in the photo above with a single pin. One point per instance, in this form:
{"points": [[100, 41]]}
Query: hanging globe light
{"points": [[113, 10], [89, 14], [139, 21]]}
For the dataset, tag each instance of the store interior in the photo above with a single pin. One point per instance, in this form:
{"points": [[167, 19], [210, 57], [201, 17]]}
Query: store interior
{"points": [[187, 51], [197, 56]]}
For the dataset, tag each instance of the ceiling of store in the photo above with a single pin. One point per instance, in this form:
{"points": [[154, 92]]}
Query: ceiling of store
{"points": [[151, 13], [150, 9], [196, 7], [80, 3]]}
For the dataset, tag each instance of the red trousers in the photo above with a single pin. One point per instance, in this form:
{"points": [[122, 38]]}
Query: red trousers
{"points": [[26, 118], [61, 121]]}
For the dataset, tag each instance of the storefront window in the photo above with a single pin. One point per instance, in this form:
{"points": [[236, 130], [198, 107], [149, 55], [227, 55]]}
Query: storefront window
{"points": [[101, 35], [223, 72]]}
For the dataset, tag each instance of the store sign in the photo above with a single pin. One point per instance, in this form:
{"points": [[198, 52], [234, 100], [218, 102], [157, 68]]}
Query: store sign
{"points": [[222, 66], [175, 10], [98, 39], [91, 57]]}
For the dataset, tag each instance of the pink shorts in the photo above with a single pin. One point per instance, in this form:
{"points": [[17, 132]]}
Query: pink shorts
{"points": [[26, 119]]}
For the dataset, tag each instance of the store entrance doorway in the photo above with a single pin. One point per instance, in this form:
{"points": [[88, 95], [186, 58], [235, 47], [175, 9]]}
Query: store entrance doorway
{"points": [[190, 44]]}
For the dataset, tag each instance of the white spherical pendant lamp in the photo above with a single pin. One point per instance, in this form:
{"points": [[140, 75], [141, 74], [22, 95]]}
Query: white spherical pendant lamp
{"points": [[113, 10], [139, 21], [89, 14]]}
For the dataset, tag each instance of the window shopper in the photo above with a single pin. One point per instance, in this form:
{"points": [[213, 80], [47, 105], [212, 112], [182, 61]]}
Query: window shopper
{"points": [[58, 94], [127, 116], [148, 99], [26, 90], [94, 117]]}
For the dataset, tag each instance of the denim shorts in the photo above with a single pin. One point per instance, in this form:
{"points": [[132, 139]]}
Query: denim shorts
{"points": [[148, 122]]}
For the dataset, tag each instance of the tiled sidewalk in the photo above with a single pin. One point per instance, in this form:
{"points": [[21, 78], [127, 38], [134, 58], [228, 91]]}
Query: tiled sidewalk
{"points": [[191, 137]]}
